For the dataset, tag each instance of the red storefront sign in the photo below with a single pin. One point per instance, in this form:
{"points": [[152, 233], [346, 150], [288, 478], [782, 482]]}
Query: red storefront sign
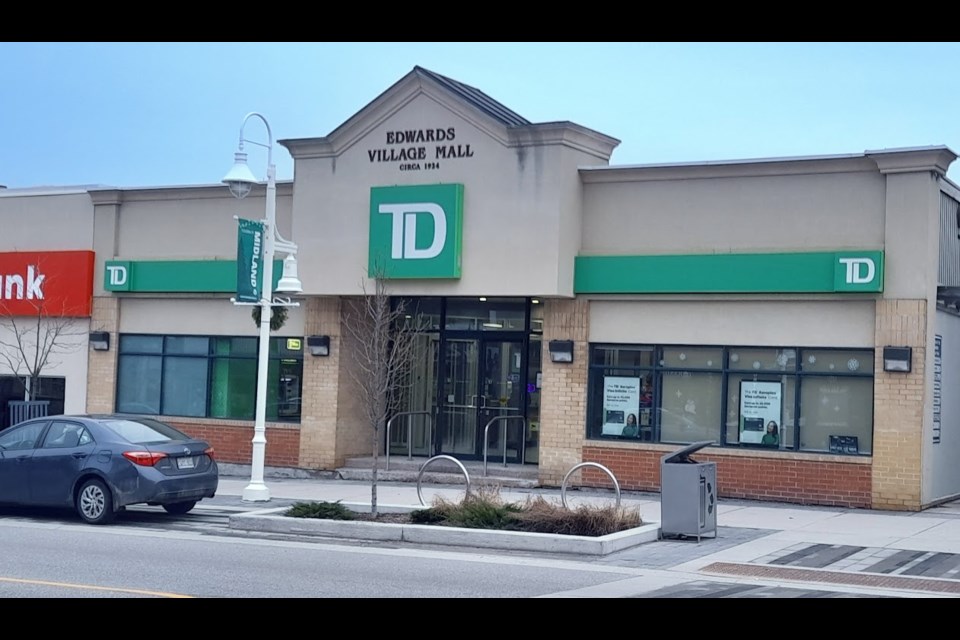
{"points": [[46, 283]]}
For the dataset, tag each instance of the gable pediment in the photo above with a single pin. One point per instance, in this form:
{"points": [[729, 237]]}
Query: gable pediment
{"points": [[424, 91]]}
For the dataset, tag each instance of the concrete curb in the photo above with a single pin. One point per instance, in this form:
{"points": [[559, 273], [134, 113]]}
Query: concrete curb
{"points": [[272, 521]]}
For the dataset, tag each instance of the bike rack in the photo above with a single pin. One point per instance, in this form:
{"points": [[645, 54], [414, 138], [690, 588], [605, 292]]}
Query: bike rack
{"points": [[409, 433], [434, 459], [486, 433], [563, 485]]}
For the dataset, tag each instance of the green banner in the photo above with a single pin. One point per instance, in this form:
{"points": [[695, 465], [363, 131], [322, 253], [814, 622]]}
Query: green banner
{"points": [[249, 260]]}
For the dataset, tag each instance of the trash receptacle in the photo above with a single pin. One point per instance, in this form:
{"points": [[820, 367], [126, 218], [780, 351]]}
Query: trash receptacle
{"points": [[688, 494]]}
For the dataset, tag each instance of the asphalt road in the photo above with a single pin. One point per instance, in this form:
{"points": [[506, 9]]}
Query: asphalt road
{"points": [[150, 554]]}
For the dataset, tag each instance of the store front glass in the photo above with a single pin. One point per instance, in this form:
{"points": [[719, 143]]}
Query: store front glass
{"points": [[478, 364]]}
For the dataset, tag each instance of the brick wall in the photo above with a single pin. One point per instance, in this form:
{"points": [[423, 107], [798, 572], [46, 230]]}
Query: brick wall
{"points": [[233, 442], [321, 377], [563, 396], [898, 407], [354, 434], [102, 365], [812, 479]]}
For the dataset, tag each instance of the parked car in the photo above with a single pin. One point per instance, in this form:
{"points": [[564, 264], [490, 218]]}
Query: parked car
{"points": [[99, 464]]}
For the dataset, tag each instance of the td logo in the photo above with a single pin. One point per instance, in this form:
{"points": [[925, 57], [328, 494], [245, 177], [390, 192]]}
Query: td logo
{"points": [[415, 231], [858, 271]]}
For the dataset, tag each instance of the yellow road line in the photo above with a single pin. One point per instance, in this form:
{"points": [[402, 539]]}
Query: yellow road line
{"points": [[69, 585]]}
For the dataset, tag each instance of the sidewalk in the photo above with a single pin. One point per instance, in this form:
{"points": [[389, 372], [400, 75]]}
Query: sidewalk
{"points": [[866, 549]]}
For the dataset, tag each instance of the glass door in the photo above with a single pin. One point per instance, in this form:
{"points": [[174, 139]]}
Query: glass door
{"points": [[501, 397], [459, 398]]}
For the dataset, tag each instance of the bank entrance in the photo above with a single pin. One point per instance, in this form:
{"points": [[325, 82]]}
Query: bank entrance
{"points": [[479, 360]]}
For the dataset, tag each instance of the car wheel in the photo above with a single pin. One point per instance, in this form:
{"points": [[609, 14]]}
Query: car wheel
{"points": [[95, 502], [180, 508]]}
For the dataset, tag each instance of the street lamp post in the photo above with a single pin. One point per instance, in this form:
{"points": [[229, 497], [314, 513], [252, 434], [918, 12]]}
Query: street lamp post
{"points": [[241, 180]]}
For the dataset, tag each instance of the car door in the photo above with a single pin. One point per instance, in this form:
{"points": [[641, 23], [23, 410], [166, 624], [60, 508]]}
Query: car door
{"points": [[57, 463], [17, 445]]}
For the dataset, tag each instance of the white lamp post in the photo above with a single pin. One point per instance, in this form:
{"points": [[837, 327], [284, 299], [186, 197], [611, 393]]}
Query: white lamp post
{"points": [[241, 180]]}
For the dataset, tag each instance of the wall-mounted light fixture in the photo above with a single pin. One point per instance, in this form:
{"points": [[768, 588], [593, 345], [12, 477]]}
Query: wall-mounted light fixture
{"points": [[318, 345], [100, 340], [561, 351], [897, 359]]}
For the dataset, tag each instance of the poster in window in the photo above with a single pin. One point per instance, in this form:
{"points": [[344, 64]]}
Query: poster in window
{"points": [[621, 406], [760, 413]]}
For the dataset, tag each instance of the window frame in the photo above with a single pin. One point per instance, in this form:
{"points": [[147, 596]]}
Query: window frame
{"points": [[597, 372], [210, 357]]}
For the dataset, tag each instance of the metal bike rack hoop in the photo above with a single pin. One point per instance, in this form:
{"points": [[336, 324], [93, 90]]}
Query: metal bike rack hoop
{"points": [[486, 433], [434, 459], [409, 432], [597, 465]]}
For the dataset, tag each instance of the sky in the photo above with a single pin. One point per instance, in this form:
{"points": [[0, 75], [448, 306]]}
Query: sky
{"points": [[154, 114]]}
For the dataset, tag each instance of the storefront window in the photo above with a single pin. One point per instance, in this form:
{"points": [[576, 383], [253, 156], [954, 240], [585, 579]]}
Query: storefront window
{"points": [[837, 361], [486, 314], [762, 359], [138, 383], [624, 357], [836, 414], [426, 310], [536, 315], [779, 398], [203, 376], [691, 358], [690, 406]]}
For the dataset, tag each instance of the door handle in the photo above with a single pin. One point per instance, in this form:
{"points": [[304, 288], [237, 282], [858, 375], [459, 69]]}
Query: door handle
{"points": [[79, 455]]}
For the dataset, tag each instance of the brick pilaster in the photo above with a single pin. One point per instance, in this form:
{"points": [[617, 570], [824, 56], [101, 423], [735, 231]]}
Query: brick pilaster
{"points": [[320, 394], [102, 365], [898, 407], [564, 391]]}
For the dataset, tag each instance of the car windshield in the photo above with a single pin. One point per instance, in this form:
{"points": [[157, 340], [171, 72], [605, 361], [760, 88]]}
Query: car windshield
{"points": [[144, 430]]}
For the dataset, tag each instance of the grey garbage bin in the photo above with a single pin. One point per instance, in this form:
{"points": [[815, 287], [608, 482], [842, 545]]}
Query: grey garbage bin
{"points": [[688, 494]]}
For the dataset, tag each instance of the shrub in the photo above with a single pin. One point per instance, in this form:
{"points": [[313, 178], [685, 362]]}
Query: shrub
{"points": [[542, 516], [484, 508], [324, 510], [480, 509]]}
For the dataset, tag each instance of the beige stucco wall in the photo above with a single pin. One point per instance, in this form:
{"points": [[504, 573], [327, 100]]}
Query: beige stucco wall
{"points": [[768, 322], [190, 224], [55, 222], [198, 316], [67, 354], [521, 205], [791, 206]]}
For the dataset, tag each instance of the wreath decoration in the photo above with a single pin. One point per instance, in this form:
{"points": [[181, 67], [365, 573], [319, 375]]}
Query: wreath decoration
{"points": [[278, 317]]}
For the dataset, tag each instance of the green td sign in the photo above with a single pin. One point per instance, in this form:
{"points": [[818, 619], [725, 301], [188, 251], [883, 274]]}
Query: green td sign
{"points": [[416, 231]]}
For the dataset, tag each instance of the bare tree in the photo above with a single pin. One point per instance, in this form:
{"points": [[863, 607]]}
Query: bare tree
{"points": [[382, 336], [31, 343]]}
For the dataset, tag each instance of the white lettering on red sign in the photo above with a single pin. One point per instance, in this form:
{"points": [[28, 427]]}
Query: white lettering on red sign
{"points": [[12, 285]]}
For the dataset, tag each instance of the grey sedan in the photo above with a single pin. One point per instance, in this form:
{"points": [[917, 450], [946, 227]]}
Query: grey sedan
{"points": [[99, 464]]}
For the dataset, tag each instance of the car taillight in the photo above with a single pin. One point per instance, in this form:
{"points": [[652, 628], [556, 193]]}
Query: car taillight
{"points": [[209, 452], [144, 458]]}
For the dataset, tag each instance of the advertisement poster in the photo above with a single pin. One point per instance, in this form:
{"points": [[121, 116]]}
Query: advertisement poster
{"points": [[760, 412], [621, 406]]}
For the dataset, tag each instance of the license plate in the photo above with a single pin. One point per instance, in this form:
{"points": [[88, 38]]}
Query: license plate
{"points": [[186, 463]]}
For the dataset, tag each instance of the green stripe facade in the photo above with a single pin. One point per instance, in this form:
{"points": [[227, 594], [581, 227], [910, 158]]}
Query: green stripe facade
{"points": [[176, 276], [815, 272]]}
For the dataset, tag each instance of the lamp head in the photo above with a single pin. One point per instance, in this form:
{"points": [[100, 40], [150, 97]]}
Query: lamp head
{"points": [[240, 179], [289, 282]]}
